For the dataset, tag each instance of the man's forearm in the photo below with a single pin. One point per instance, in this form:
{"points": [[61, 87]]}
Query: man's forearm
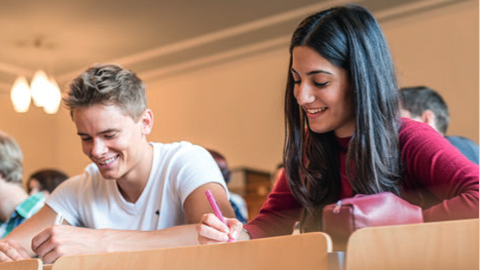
{"points": [[125, 240]]}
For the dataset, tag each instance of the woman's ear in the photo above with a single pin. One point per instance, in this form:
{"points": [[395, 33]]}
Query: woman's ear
{"points": [[146, 120]]}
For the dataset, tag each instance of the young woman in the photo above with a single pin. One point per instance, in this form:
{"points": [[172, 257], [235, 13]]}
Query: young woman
{"points": [[345, 136]]}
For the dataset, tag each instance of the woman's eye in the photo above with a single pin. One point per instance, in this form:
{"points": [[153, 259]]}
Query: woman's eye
{"points": [[320, 84], [297, 81]]}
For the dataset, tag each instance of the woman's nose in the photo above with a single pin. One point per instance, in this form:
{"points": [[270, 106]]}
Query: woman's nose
{"points": [[304, 94]]}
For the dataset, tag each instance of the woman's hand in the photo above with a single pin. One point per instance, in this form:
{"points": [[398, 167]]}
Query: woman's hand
{"points": [[212, 230]]}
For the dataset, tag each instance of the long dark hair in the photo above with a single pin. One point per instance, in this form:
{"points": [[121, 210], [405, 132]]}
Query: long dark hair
{"points": [[349, 37]]}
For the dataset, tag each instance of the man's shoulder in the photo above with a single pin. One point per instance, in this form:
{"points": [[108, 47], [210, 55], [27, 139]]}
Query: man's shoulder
{"points": [[466, 146], [176, 149], [461, 139], [411, 129], [90, 177], [172, 145]]}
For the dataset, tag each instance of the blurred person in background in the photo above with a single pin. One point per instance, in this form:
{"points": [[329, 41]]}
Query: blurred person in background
{"points": [[15, 204], [45, 181], [425, 105]]}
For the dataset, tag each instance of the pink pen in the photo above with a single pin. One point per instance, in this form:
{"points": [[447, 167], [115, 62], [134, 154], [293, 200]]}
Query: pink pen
{"points": [[216, 209]]}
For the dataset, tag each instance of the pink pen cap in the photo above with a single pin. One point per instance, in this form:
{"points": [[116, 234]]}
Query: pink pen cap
{"points": [[216, 209]]}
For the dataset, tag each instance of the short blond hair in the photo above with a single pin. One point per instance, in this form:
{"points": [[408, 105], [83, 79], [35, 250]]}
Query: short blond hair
{"points": [[11, 158], [107, 84]]}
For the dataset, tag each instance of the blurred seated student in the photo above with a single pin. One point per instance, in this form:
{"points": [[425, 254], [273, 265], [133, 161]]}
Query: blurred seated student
{"points": [[45, 181], [423, 104], [344, 136], [15, 204], [236, 201], [134, 194]]}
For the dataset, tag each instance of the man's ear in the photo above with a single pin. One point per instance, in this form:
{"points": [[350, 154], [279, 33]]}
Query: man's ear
{"points": [[428, 117], [146, 121]]}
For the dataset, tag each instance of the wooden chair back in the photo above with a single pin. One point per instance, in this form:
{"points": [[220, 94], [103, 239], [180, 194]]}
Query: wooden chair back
{"points": [[428, 246]]}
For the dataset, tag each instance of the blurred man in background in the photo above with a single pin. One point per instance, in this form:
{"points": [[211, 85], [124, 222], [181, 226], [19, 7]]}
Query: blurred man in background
{"points": [[423, 104]]}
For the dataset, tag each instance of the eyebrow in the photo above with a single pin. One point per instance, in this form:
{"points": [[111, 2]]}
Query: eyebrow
{"points": [[314, 72], [102, 132]]}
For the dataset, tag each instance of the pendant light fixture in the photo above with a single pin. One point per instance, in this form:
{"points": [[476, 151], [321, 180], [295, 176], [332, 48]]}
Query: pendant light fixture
{"points": [[20, 95], [43, 90]]}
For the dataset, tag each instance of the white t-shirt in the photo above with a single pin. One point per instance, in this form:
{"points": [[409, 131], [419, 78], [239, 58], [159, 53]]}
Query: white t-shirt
{"points": [[88, 200]]}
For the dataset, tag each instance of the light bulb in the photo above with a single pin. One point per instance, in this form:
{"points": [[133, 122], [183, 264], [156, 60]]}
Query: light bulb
{"points": [[20, 95], [40, 87], [52, 102]]}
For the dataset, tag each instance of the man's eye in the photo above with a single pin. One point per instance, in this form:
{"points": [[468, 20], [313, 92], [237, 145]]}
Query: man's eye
{"points": [[109, 136], [85, 139]]}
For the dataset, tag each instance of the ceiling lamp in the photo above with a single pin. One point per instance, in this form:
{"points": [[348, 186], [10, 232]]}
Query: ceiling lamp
{"points": [[43, 90], [40, 88], [20, 95], [52, 103]]}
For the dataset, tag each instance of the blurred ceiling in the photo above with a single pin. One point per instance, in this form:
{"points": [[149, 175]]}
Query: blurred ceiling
{"points": [[155, 37]]}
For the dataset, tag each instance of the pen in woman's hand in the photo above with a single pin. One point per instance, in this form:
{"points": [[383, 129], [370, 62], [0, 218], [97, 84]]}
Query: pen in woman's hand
{"points": [[216, 210]]}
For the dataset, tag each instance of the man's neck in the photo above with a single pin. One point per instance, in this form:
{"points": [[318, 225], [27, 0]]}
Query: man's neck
{"points": [[12, 195], [132, 185]]}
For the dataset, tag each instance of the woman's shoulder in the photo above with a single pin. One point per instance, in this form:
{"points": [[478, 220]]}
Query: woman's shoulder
{"points": [[410, 128], [416, 137]]}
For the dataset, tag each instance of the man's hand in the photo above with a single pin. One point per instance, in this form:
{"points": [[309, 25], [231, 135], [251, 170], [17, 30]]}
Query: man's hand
{"points": [[57, 241], [11, 250]]}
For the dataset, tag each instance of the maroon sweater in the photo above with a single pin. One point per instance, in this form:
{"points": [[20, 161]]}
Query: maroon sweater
{"points": [[436, 175]]}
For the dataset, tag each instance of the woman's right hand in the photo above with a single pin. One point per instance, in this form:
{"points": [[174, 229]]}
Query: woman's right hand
{"points": [[212, 230]]}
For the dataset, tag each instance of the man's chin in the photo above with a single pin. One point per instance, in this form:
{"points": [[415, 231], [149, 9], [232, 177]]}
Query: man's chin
{"points": [[108, 176]]}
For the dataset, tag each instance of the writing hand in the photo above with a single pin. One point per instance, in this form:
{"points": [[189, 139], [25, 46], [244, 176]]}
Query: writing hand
{"points": [[57, 241], [11, 250], [212, 230]]}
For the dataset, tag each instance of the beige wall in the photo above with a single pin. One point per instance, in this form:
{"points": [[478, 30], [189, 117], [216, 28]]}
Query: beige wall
{"points": [[440, 49], [236, 107], [34, 131]]}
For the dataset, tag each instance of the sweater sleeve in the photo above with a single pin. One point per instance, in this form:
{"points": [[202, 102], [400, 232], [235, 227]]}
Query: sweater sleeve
{"points": [[442, 170], [278, 214]]}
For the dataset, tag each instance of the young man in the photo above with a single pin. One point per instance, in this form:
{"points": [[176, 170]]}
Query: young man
{"points": [[15, 204], [134, 193], [426, 105]]}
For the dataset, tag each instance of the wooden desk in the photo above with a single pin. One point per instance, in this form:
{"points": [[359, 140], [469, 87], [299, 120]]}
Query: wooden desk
{"points": [[31, 264], [305, 251]]}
